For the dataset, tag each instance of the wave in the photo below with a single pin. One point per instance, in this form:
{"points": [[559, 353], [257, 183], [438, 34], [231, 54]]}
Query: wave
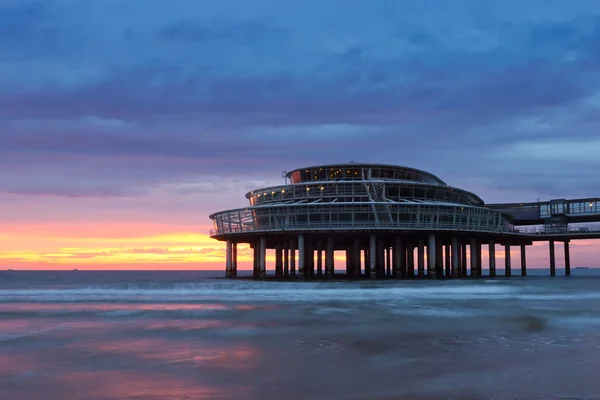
{"points": [[285, 292], [238, 291]]}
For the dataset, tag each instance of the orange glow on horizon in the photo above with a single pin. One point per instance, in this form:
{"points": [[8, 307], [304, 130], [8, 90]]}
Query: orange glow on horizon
{"points": [[134, 246], [43, 248]]}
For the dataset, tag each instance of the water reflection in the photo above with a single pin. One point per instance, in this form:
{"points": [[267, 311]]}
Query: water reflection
{"points": [[66, 307], [169, 351]]}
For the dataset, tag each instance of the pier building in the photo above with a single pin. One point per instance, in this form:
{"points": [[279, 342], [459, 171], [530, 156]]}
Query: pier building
{"points": [[391, 221]]}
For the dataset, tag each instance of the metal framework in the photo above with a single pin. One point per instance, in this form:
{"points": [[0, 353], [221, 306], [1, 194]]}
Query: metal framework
{"points": [[355, 197], [381, 214]]}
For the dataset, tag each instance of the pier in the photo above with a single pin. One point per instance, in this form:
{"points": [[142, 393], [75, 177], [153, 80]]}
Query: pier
{"points": [[391, 222]]}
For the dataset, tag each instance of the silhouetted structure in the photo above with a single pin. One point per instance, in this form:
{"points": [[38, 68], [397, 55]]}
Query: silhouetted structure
{"points": [[381, 215]]}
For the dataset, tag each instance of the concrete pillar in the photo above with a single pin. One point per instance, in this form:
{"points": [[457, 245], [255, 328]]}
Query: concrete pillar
{"points": [[278, 260], [309, 269], [380, 258], [567, 259], [301, 255], [234, 260], [263, 257], [421, 258], [432, 256], [293, 257], [319, 258], [552, 258], [228, 267], [473, 252], [399, 258], [455, 258], [523, 261], [286, 259], [329, 258], [439, 259], [348, 261], [256, 259], [372, 257], [367, 261], [410, 259], [447, 261], [479, 260], [507, 267], [388, 261], [463, 260], [492, 251], [356, 258]]}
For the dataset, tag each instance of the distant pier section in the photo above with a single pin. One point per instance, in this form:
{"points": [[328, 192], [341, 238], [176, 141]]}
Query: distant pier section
{"points": [[391, 222]]}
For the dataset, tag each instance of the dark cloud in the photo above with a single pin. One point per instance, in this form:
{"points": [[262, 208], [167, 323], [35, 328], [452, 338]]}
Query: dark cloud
{"points": [[201, 95]]}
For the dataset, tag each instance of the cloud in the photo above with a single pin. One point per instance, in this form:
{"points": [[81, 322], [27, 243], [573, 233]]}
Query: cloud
{"points": [[187, 96]]}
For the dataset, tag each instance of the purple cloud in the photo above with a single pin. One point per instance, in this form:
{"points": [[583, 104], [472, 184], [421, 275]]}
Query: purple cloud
{"points": [[210, 93]]}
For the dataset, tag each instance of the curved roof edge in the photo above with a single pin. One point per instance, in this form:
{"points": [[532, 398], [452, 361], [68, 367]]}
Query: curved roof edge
{"points": [[366, 164]]}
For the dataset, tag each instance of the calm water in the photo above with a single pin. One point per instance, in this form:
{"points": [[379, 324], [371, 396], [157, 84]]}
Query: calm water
{"points": [[181, 335]]}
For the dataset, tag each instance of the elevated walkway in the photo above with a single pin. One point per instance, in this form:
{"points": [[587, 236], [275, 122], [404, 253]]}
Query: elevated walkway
{"points": [[553, 212]]}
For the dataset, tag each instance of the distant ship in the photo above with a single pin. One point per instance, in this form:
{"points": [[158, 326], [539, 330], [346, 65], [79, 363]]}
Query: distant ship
{"points": [[582, 267]]}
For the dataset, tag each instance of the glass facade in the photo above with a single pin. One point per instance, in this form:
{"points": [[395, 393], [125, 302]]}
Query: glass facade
{"points": [[362, 172], [361, 197], [570, 207]]}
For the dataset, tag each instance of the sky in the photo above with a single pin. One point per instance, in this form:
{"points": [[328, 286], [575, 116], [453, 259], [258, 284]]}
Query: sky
{"points": [[125, 123]]}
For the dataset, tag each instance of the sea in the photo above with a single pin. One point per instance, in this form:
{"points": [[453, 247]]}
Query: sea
{"points": [[192, 335]]}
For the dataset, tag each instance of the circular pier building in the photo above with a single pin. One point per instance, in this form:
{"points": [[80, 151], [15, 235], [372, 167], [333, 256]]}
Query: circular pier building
{"points": [[391, 221]]}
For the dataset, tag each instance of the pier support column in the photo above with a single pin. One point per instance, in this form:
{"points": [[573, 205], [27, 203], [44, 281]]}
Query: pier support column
{"points": [[447, 261], [421, 258], [552, 258], [439, 258], [263, 257], [234, 259], [309, 269], [380, 259], [329, 259], [301, 255], [319, 258], [492, 251], [388, 261], [293, 257], [410, 260], [432, 256], [278, 260], [473, 252], [228, 267], [399, 258], [356, 267], [372, 257], [349, 261], [256, 259], [463, 261], [567, 259], [507, 266], [455, 258], [479, 260], [286, 259], [523, 261]]}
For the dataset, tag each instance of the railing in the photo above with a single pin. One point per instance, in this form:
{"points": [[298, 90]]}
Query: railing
{"points": [[560, 230], [536, 231], [419, 226]]}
